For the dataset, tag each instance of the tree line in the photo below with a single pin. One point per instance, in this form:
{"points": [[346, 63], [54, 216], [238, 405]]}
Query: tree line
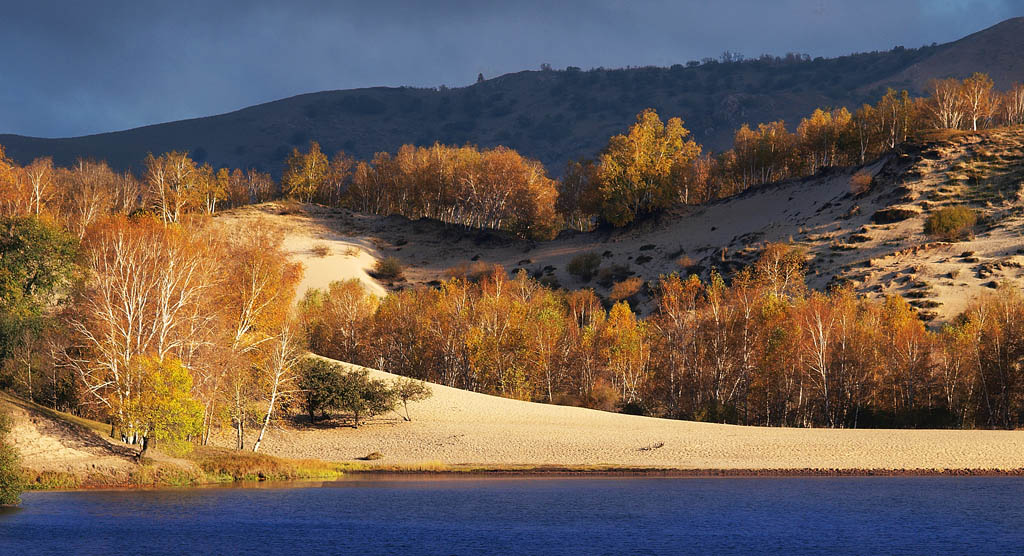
{"points": [[477, 188], [653, 167], [149, 314], [763, 350]]}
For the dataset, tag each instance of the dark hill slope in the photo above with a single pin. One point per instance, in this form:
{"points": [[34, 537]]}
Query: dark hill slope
{"points": [[549, 115]]}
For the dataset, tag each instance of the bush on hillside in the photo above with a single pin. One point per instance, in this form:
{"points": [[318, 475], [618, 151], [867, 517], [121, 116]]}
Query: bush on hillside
{"points": [[626, 289], [951, 223], [860, 183], [474, 271], [388, 268], [584, 266], [321, 250]]}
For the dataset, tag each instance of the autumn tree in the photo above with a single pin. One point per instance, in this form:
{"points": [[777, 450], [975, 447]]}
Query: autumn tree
{"points": [[335, 321], [278, 373], [979, 101], [164, 409], [40, 177], [305, 174], [628, 352], [1013, 105], [174, 184], [635, 170], [822, 138], [148, 284], [577, 194], [255, 297], [947, 103], [87, 194]]}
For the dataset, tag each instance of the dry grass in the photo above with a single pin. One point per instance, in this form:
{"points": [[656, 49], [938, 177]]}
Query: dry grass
{"points": [[860, 183], [388, 268], [626, 289], [685, 262], [473, 271], [222, 465], [321, 249]]}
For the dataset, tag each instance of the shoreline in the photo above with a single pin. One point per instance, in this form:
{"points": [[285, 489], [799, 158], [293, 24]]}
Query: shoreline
{"points": [[687, 473], [411, 473]]}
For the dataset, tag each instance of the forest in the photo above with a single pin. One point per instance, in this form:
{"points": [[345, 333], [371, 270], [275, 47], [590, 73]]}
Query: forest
{"points": [[122, 299]]}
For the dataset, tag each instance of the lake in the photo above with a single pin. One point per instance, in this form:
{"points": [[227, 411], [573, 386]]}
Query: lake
{"points": [[426, 515]]}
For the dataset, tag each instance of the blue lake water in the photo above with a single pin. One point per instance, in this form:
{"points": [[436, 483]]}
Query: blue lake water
{"points": [[417, 515]]}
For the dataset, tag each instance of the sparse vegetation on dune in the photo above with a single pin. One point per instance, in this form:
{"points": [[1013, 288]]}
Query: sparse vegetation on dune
{"points": [[951, 223], [389, 268]]}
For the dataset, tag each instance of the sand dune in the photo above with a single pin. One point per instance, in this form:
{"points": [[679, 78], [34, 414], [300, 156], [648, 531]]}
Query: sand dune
{"points": [[459, 427]]}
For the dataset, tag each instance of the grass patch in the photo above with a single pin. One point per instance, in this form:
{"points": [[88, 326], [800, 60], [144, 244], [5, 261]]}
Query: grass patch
{"points": [[158, 474], [222, 465], [51, 480], [951, 223]]}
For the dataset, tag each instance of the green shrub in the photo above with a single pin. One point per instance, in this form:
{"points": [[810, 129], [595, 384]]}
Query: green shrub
{"points": [[11, 478], [326, 385], [388, 268], [321, 383], [410, 390], [951, 223], [363, 396], [584, 266]]}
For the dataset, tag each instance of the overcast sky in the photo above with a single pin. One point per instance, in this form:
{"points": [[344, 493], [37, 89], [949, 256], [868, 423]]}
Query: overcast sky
{"points": [[77, 67]]}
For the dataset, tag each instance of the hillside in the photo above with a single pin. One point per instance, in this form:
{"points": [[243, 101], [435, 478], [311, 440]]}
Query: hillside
{"points": [[553, 116], [55, 444], [875, 241]]}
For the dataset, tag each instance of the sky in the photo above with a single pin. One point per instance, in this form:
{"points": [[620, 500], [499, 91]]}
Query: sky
{"points": [[71, 68]]}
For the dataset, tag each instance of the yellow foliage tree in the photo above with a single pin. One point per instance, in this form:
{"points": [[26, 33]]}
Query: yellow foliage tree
{"points": [[635, 172], [166, 410], [305, 174]]}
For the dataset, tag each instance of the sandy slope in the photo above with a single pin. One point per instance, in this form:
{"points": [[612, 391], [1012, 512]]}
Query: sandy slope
{"points": [[459, 427], [46, 444], [348, 257]]}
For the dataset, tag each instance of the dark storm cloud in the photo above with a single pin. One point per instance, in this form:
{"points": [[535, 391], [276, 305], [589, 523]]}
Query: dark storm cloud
{"points": [[70, 68]]}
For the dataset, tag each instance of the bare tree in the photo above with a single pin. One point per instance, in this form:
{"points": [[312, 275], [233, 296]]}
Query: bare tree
{"points": [[279, 373]]}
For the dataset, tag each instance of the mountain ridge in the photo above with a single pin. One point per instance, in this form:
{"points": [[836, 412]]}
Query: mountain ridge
{"points": [[553, 116]]}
